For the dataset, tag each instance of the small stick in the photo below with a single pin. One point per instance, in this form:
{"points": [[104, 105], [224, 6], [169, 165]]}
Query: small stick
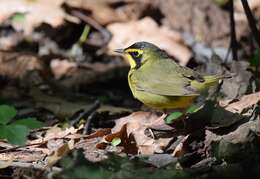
{"points": [[252, 22], [87, 129], [86, 112], [233, 41]]}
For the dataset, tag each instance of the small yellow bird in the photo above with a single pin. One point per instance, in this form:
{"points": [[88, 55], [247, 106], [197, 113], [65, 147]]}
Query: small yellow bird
{"points": [[159, 82]]}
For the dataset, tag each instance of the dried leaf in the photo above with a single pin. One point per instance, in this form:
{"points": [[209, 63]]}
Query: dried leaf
{"points": [[132, 131], [36, 12], [241, 105], [180, 149], [106, 11], [17, 65], [58, 154]]}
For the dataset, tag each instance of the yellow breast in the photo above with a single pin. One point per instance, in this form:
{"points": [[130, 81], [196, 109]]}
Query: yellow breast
{"points": [[160, 101]]}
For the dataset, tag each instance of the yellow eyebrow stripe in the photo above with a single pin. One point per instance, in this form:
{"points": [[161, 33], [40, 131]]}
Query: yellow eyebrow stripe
{"points": [[135, 50]]}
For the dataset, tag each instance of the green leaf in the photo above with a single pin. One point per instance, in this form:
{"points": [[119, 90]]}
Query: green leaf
{"points": [[6, 113], [30, 122], [116, 141], [172, 117], [193, 108], [15, 134]]}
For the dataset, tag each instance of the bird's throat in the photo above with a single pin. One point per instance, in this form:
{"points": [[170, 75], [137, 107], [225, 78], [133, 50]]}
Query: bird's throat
{"points": [[131, 61]]}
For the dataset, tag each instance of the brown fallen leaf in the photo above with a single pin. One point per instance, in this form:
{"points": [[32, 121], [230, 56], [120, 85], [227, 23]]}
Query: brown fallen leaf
{"points": [[229, 112], [36, 12], [17, 65], [132, 131], [127, 141], [59, 153], [125, 34], [99, 133], [241, 105], [107, 11]]}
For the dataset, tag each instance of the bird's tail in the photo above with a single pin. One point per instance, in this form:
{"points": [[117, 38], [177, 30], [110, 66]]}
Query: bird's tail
{"points": [[209, 81]]}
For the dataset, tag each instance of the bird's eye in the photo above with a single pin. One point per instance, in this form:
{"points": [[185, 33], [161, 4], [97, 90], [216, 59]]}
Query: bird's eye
{"points": [[135, 54]]}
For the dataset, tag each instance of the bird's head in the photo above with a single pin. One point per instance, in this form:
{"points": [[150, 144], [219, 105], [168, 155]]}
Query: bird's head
{"points": [[140, 52]]}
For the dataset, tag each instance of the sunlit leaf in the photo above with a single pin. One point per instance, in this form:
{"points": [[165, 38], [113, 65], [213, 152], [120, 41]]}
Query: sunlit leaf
{"points": [[116, 141], [172, 117], [193, 108]]}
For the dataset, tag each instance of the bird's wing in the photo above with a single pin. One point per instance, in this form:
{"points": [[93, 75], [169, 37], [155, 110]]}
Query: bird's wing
{"points": [[165, 78]]}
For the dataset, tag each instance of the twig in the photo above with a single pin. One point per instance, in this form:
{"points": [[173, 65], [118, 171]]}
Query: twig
{"points": [[87, 128], [252, 22], [233, 41], [86, 112]]}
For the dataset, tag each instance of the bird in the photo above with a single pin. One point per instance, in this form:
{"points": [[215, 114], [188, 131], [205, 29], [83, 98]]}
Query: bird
{"points": [[159, 82]]}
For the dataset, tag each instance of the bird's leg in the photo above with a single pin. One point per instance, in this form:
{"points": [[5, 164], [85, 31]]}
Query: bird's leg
{"points": [[184, 122], [164, 111]]}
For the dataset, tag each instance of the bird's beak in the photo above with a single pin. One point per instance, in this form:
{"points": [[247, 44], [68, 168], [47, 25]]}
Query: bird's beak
{"points": [[120, 51]]}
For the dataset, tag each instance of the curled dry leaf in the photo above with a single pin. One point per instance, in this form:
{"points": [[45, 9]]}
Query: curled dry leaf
{"points": [[125, 34], [230, 112], [132, 132], [127, 141], [180, 148], [241, 105]]}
